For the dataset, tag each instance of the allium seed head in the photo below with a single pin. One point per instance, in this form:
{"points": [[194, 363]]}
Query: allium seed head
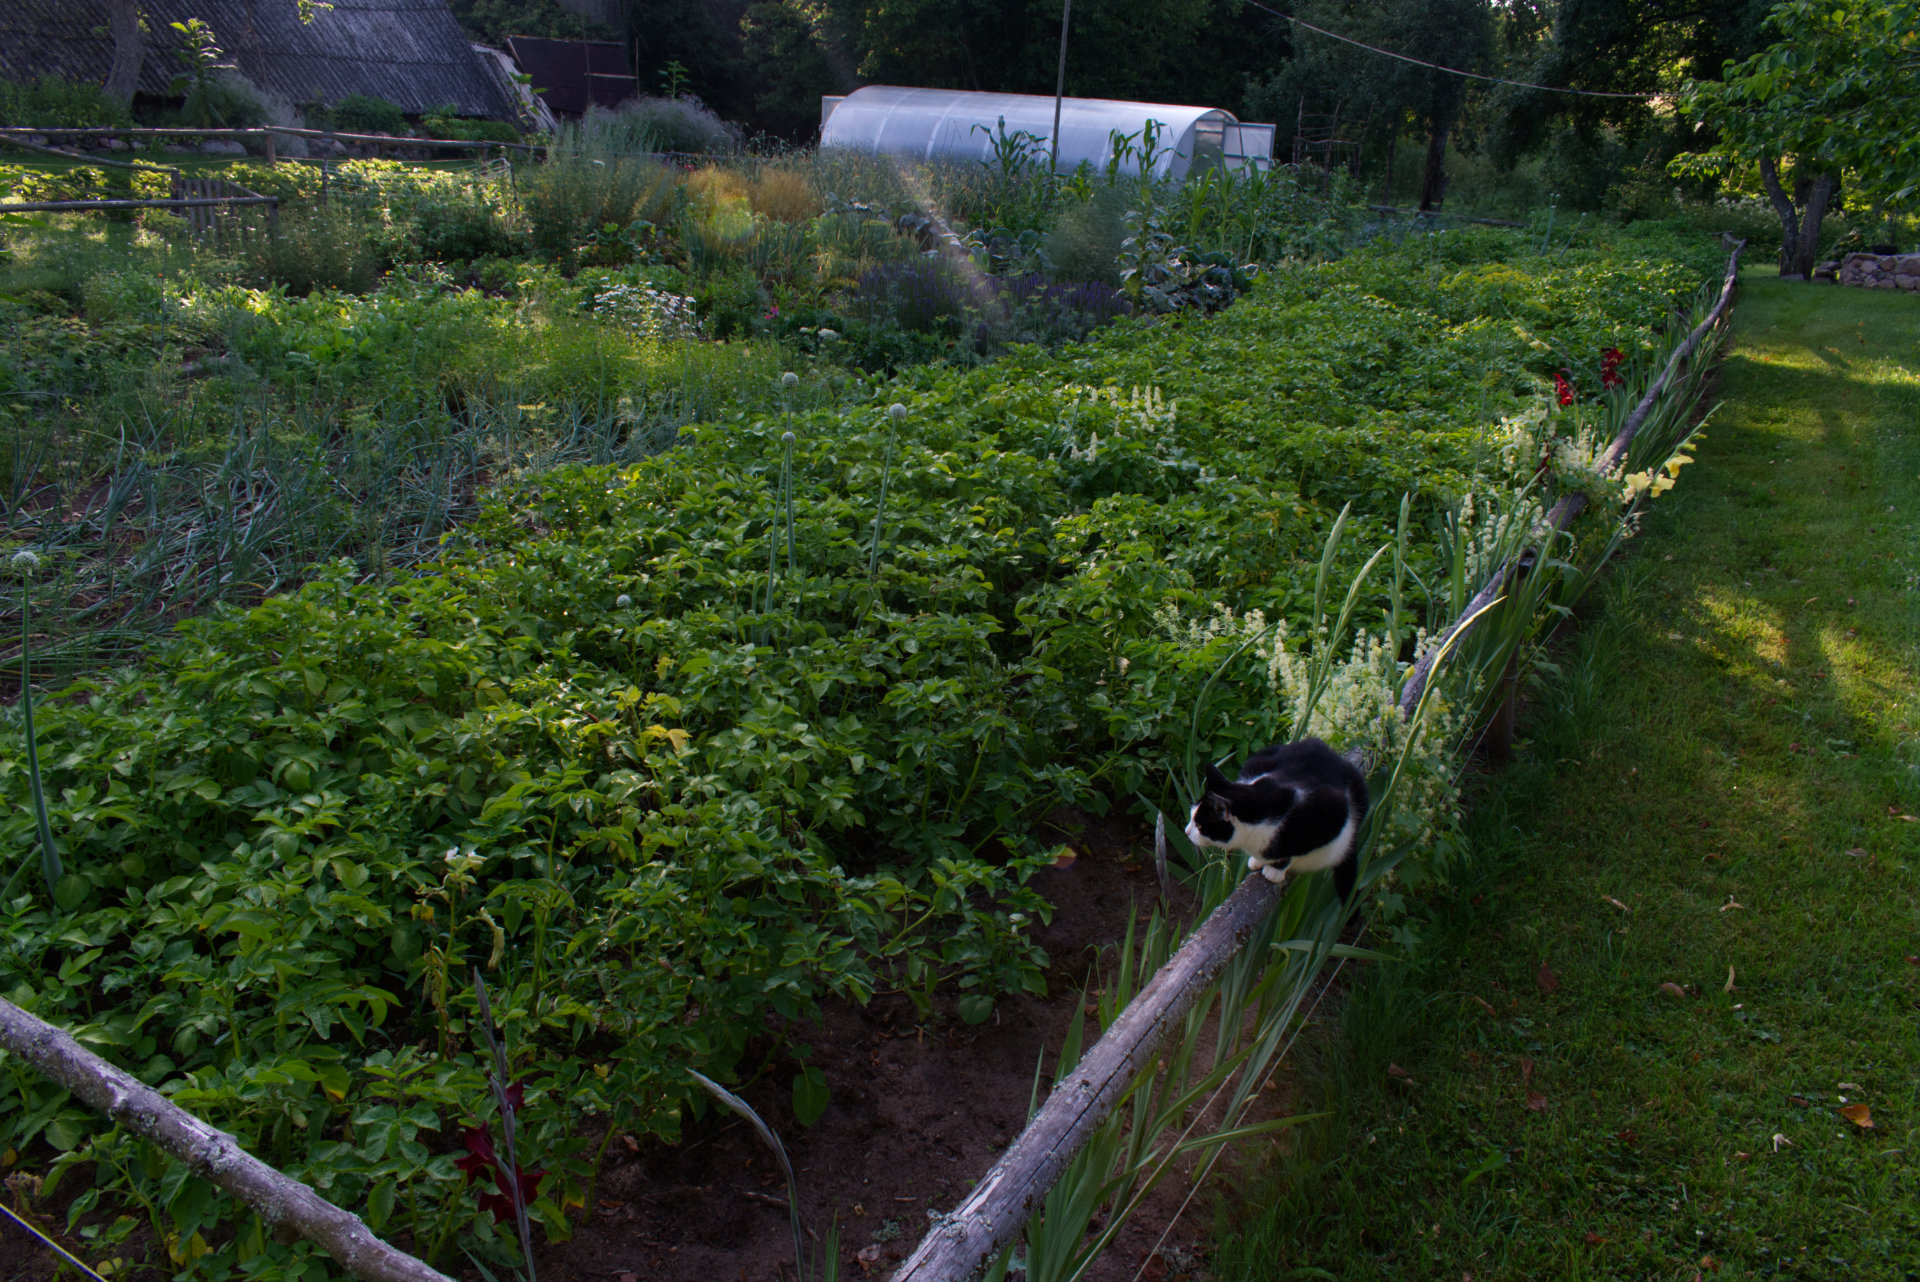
{"points": [[896, 411], [622, 601], [789, 379], [25, 563], [787, 437]]}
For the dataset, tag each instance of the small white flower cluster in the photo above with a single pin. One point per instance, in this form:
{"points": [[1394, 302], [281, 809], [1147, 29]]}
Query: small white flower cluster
{"points": [[656, 313], [1358, 706], [1139, 412]]}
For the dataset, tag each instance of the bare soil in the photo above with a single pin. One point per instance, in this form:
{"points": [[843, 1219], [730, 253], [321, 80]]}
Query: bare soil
{"points": [[919, 1111]]}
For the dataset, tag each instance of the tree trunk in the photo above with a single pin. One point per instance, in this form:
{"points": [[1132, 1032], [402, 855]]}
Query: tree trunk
{"points": [[1393, 146], [129, 45], [1433, 184], [1816, 210], [1799, 229]]}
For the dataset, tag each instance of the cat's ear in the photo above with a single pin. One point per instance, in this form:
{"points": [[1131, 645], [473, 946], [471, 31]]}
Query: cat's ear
{"points": [[1217, 782]]}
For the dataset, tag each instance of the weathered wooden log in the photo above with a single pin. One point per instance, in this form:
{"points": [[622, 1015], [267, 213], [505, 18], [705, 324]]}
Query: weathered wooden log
{"points": [[282, 1202], [1570, 506], [1000, 1205]]}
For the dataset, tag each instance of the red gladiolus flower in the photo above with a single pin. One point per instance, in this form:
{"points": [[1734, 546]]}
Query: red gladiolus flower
{"points": [[481, 1160], [1610, 367], [1563, 389]]}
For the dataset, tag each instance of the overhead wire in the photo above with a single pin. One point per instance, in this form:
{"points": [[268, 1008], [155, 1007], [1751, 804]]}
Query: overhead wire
{"points": [[1452, 71]]}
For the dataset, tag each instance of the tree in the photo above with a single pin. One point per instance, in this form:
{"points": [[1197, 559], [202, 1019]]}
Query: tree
{"points": [[1833, 99], [1387, 95], [127, 27]]}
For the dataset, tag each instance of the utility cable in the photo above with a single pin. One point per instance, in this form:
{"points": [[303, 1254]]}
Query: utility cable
{"points": [[1452, 71]]}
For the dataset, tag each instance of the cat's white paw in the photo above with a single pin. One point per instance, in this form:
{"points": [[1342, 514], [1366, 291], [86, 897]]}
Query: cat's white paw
{"points": [[1273, 873], [1255, 863]]}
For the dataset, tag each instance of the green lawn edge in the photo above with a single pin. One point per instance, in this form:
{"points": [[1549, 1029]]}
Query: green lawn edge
{"points": [[1727, 751]]}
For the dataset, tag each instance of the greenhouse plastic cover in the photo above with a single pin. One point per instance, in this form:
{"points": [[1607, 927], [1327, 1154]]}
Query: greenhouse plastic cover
{"points": [[956, 124]]}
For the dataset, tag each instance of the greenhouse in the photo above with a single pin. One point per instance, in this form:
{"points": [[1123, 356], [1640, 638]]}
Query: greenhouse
{"points": [[954, 124]]}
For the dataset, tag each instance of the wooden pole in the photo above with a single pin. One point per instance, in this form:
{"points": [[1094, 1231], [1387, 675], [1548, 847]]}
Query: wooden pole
{"points": [[1000, 1205], [82, 206], [282, 1202], [1059, 87]]}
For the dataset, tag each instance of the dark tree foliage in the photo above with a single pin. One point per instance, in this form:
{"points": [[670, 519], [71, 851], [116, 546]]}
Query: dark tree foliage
{"points": [[1620, 46], [492, 21], [767, 62], [1375, 99]]}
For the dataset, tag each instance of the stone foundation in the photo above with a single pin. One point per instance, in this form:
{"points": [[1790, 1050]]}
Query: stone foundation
{"points": [[1873, 271]]}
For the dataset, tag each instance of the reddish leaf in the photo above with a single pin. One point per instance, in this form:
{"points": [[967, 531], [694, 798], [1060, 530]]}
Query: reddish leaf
{"points": [[1545, 980], [1594, 1239], [1526, 1071], [1675, 989], [1394, 1070], [1536, 1101], [1488, 1006], [1859, 1115]]}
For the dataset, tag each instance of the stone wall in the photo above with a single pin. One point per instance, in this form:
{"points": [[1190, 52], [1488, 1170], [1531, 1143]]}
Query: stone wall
{"points": [[1874, 271]]}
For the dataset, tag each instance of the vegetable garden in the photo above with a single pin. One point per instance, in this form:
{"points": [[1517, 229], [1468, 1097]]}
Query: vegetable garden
{"points": [[529, 626]]}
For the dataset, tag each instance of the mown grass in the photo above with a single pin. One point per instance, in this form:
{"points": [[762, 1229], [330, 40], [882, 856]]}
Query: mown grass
{"points": [[1730, 753]]}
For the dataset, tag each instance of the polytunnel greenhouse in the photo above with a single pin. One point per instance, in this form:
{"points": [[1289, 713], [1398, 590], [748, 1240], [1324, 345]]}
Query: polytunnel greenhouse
{"points": [[957, 124]]}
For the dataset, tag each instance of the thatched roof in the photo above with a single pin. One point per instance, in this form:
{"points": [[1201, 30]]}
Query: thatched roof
{"points": [[410, 52]]}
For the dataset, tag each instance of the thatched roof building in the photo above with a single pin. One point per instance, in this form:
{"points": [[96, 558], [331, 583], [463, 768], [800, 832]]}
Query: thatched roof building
{"points": [[410, 52]]}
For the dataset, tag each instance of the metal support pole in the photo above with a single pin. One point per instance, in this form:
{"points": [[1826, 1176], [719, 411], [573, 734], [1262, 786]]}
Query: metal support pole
{"points": [[1059, 88]]}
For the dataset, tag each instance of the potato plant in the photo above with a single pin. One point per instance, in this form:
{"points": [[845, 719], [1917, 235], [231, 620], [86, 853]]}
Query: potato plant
{"points": [[668, 801]]}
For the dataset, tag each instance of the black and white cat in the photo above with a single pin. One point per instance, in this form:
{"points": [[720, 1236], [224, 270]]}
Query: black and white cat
{"points": [[1296, 807]]}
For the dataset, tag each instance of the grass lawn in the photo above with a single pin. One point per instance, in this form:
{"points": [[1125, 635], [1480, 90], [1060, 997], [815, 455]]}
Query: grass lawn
{"points": [[1649, 1024]]}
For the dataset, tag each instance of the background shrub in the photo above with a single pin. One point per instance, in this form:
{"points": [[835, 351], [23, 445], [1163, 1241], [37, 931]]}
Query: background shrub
{"points": [[1085, 243], [658, 124], [576, 193], [462, 224], [324, 247], [359, 114], [52, 101]]}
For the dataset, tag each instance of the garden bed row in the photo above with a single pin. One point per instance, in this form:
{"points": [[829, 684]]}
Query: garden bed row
{"points": [[674, 749]]}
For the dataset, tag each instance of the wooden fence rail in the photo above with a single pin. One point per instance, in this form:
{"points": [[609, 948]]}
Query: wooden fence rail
{"points": [[283, 1202], [960, 1244], [263, 135]]}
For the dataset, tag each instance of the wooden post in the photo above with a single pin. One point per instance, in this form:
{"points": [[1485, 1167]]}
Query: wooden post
{"points": [[213, 1155]]}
